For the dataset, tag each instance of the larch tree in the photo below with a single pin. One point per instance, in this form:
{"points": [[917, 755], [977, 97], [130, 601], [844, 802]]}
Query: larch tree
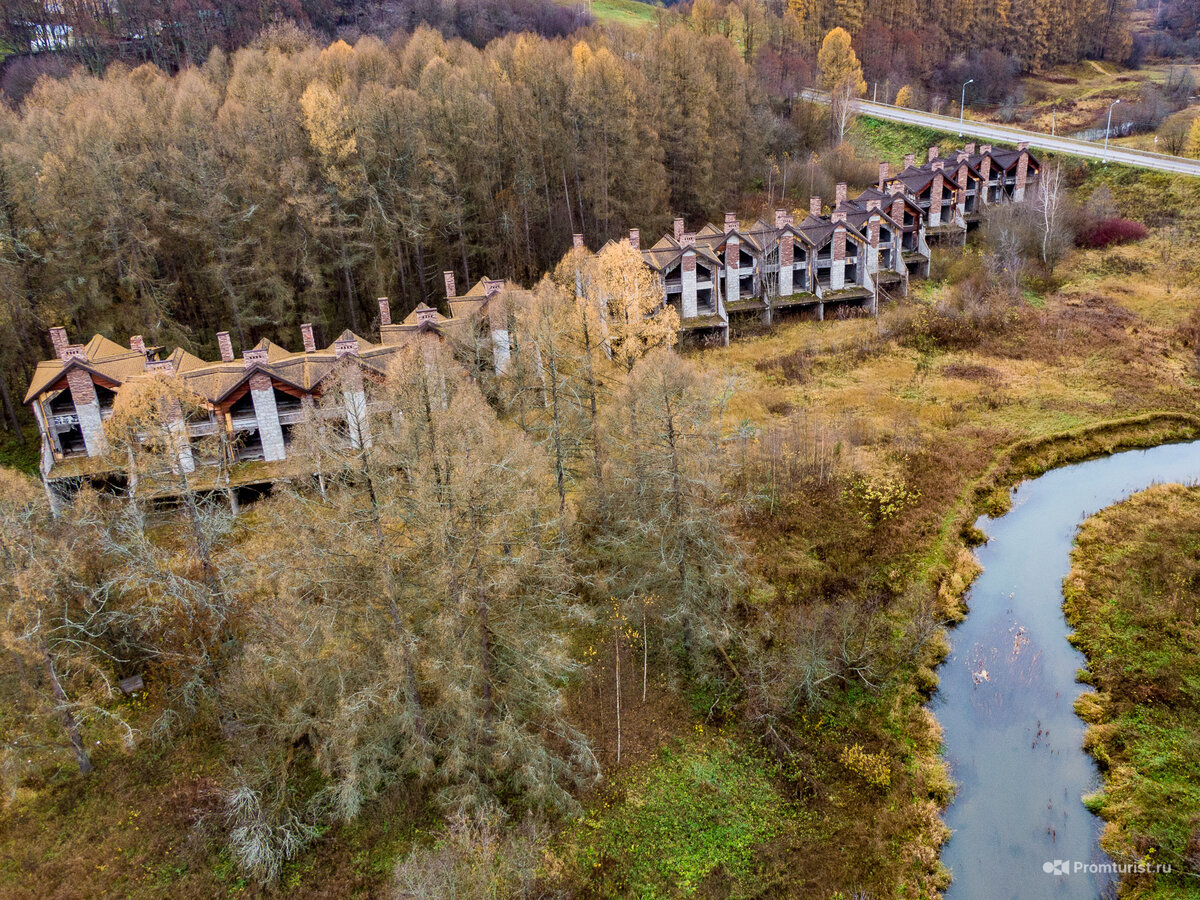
{"points": [[633, 314], [411, 621], [56, 629], [665, 532], [841, 77]]}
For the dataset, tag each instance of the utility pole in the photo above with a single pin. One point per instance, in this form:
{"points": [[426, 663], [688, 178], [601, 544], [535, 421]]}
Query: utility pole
{"points": [[962, 110], [1108, 128]]}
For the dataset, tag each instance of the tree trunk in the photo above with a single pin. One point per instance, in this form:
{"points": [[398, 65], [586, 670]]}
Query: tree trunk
{"points": [[70, 726]]}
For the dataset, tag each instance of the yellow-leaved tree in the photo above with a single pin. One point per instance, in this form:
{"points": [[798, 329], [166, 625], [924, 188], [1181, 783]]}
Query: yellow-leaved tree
{"points": [[841, 76], [629, 297], [904, 96]]}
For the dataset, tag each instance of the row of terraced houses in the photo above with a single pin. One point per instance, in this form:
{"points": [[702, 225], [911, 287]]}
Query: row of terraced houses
{"points": [[862, 250]]}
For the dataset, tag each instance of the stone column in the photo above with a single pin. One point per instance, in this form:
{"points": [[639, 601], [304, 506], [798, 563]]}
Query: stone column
{"points": [[787, 254], [837, 271], [262, 395], [1022, 172], [87, 409], [687, 275], [935, 200], [733, 260]]}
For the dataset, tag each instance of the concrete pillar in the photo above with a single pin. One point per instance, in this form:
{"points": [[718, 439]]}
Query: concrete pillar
{"points": [[87, 408], [837, 271], [270, 432], [501, 350], [787, 253], [354, 401], [733, 261], [687, 272], [181, 441]]}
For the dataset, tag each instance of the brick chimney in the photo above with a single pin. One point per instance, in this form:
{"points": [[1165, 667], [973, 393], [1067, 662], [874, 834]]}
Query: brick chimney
{"points": [[306, 333], [58, 337], [985, 148], [687, 239], [163, 366], [731, 222], [385, 312], [1022, 145], [426, 315], [884, 172], [961, 155], [74, 351], [938, 165], [933, 152], [136, 344], [449, 278], [814, 206], [780, 217], [837, 216], [678, 229], [577, 241], [251, 358], [225, 345], [910, 160], [635, 239], [970, 148], [874, 203], [347, 347], [839, 194], [492, 287]]}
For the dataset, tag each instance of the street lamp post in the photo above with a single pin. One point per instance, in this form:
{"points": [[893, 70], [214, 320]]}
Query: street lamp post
{"points": [[962, 105], [1108, 128]]}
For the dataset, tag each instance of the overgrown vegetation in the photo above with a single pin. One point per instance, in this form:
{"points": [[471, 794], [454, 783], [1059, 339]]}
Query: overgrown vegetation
{"points": [[780, 575], [1132, 598]]}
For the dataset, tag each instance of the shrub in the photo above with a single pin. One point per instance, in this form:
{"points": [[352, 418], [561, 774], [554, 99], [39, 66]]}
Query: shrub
{"points": [[1106, 232]]}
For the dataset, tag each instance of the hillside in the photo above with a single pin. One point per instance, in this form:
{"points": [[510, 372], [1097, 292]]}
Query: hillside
{"points": [[858, 451]]}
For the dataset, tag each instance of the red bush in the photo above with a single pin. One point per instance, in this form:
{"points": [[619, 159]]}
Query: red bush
{"points": [[1106, 232]]}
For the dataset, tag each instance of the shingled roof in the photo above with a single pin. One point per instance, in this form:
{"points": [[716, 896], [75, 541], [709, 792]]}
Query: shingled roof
{"points": [[107, 359]]}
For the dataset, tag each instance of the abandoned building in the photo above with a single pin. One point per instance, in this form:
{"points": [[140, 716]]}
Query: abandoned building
{"points": [[250, 404], [862, 251]]}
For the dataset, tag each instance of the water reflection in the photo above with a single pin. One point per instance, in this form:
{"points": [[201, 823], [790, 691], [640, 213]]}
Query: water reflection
{"points": [[1008, 689]]}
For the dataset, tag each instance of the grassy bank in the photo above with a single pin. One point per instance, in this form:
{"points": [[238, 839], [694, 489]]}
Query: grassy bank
{"points": [[1133, 597]]}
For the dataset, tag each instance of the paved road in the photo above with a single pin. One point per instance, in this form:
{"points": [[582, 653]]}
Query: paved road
{"points": [[988, 131]]}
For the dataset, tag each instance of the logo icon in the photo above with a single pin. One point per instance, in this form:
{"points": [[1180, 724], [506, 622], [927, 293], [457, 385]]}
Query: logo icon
{"points": [[1057, 867]]}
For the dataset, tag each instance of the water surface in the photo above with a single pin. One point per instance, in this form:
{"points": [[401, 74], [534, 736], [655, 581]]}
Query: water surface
{"points": [[1008, 688]]}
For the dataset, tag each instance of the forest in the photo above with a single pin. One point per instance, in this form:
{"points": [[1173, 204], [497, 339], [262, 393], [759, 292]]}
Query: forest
{"points": [[296, 180], [289, 182]]}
